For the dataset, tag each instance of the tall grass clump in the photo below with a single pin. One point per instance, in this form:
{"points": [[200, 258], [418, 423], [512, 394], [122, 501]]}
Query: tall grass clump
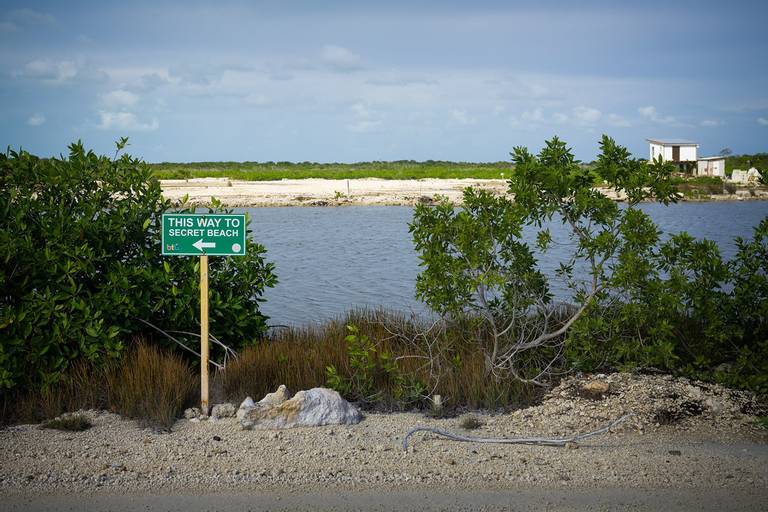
{"points": [[294, 356], [386, 361], [152, 385], [81, 387], [149, 383]]}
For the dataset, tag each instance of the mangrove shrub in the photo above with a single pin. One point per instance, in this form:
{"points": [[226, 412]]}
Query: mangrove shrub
{"points": [[81, 269]]}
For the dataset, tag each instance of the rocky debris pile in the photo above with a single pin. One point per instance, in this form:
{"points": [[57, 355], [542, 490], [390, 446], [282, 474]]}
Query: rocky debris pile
{"points": [[310, 408], [192, 413], [583, 402], [225, 410]]}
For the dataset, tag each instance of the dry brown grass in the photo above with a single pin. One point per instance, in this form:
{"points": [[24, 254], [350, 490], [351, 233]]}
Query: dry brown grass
{"points": [[445, 362], [152, 385], [155, 385], [80, 387], [149, 384]]}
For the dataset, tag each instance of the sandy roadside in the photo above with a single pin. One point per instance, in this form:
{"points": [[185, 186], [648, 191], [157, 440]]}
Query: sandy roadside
{"points": [[689, 447], [357, 192]]}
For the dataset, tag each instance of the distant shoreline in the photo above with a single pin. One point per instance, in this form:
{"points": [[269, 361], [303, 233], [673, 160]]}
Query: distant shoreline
{"points": [[364, 192]]}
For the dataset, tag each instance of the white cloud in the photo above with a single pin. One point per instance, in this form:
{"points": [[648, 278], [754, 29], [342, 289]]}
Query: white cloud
{"points": [[709, 123], [618, 121], [366, 119], [364, 126], [763, 121], [340, 58], [579, 116], [586, 115], [258, 100], [36, 119], [534, 115], [119, 98], [49, 70], [529, 118], [362, 110], [125, 121], [652, 114], [461, 117], [139, 78]]}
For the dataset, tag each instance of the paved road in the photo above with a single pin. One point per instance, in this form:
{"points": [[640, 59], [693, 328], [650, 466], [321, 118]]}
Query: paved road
{"points": [[513, 500]]}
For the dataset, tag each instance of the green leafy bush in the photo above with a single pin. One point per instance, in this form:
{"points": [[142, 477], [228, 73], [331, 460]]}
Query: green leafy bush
{"points": [[682, 308], [373, 376], [80, 267], [637, 299], [477, 265]]}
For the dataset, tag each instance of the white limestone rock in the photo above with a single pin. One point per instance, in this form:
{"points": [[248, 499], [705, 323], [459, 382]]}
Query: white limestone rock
{"points": [[248, 403], [310, 408], [281, 395]]}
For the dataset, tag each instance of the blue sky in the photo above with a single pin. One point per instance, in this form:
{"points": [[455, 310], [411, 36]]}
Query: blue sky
{"points": [[352, 81]]}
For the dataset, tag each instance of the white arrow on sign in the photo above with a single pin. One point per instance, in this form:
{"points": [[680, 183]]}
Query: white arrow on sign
{"points": [[200, 245]]}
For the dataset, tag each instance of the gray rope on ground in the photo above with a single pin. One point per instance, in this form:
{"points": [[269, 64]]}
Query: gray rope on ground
{"points": [[541, 441]]}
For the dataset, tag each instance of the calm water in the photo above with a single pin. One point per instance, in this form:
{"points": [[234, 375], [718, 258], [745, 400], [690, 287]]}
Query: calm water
{"points": [[330, 260]]}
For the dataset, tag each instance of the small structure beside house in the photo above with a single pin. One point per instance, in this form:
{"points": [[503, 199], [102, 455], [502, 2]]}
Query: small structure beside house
{"points": [[746, 177], [711, 166], [673, 150]]}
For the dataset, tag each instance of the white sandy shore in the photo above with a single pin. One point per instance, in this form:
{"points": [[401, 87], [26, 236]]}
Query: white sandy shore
{"points": [[360, 192], [321, 192]]}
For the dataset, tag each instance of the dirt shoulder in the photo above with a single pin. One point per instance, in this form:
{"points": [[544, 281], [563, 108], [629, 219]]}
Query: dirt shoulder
{"points": [[685, 438], [358, 192]]}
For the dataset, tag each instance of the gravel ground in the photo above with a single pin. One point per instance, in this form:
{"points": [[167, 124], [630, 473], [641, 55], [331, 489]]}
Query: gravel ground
{"points": [[684, 437]]}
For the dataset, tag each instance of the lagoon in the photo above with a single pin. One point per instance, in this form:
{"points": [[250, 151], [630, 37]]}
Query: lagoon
{"points": [[330, 260]]}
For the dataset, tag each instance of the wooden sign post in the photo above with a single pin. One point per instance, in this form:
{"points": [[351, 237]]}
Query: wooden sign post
{"points": [[204, 334], [203, 234]]}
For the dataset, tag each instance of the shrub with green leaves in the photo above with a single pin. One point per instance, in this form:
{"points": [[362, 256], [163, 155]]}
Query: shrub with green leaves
{"points": [[683, 308], [477, 264], [637, 300], [81, 269], [372, 375]]}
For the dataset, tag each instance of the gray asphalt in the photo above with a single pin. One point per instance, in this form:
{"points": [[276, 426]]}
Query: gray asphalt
{"points": [[510, 500]]}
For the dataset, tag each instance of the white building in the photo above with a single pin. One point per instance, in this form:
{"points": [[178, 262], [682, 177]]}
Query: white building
{"points": [[673, 150], [711, 166]]}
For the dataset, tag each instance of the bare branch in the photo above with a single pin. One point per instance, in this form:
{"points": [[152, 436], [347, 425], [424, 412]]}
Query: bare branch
{"points": [[540, 441]]}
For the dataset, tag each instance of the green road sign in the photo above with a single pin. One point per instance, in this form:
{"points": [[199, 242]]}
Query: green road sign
{"points": [[198, 234]]}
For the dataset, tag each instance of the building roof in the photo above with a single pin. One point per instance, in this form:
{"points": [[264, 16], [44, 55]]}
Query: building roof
{"points": [[673, 142], [712, 158]]}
